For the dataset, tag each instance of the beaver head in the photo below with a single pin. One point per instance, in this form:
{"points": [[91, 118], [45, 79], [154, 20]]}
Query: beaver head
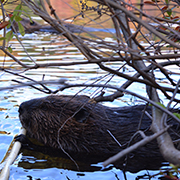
{"points": [[73, 124]]}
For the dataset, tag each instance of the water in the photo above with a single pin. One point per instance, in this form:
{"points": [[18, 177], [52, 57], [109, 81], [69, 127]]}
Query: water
{"points": [[45, 47]]}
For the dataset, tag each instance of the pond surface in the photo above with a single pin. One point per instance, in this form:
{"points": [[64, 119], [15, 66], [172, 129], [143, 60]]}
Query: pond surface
{"points": [[51, 48]]}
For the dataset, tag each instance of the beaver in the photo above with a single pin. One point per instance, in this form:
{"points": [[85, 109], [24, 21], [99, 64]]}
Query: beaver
{"points": [[77, 125]]}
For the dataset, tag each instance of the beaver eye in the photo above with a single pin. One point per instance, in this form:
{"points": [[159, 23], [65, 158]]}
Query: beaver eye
{"points": [[81, 115]]}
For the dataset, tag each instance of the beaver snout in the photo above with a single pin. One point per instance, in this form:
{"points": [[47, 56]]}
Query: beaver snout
{"points": [[30, 105], [26, 111]]}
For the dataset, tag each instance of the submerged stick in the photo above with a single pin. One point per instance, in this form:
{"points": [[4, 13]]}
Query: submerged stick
{"points": [[4, 175]]}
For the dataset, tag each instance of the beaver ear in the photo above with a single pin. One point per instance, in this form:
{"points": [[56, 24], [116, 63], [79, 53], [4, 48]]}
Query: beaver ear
{"points": [[81, 115]]}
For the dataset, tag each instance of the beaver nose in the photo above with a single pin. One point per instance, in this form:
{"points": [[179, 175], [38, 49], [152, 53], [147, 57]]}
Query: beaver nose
{"points": [[25, 106], [30, 105]]}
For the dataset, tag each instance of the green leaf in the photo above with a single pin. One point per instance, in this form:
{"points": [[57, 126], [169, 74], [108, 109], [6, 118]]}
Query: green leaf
{"points": [[18, 10], [169, 12], [2, 38], [17, 18], [28, 16], [30, 19], [9, 35], [18, 7], [167, 17], [177, 115], [175, 168], [11, 18], [10, 21], [9, 25], [167, 1], [26, 13], [10, 49], [160, 104], [21, 29]]}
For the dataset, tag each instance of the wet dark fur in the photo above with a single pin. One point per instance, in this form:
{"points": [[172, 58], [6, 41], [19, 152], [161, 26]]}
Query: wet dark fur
{"points": [[77, 125]]}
